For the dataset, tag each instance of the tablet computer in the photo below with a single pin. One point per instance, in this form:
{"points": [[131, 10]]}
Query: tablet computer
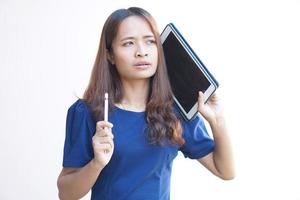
{"points": [[187, 74]]}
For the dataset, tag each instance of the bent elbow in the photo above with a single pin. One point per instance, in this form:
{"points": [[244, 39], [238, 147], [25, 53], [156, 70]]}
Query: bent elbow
{"points": [[61, 195], [228, 176]]}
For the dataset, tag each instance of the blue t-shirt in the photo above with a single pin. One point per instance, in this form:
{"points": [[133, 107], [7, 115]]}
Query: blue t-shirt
{"points": [[137, 169]]}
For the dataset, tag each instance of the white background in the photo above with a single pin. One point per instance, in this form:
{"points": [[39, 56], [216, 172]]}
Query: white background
{"points": [[48, 47]]}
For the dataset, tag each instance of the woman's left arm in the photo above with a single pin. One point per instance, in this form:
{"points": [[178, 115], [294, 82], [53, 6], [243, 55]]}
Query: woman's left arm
{"points": [[220, 161]]}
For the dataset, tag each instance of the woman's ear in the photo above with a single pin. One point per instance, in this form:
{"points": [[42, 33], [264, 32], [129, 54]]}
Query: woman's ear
{"points": [[110, 57]]}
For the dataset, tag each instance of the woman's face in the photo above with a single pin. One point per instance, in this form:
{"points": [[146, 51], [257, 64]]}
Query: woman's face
{"points": [[134, 49]]}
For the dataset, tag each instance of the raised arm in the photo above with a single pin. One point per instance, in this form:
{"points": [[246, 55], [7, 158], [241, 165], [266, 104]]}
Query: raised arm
{"points": [[220, 161], [74, 183]]}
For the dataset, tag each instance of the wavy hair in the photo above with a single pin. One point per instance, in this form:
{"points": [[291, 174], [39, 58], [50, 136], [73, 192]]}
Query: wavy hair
{"points": [[162, 122]]}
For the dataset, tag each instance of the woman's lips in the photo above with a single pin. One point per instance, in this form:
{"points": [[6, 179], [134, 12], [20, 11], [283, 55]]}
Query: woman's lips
{"points": [[142, 65]]}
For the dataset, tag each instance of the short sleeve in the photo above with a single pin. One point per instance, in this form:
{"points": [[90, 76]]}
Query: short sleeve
{"points": [[198, 143], [80, 128]]}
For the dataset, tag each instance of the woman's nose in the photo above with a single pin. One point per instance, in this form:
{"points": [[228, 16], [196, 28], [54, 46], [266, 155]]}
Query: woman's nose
{"points": [[141, 51], [138, 54]]}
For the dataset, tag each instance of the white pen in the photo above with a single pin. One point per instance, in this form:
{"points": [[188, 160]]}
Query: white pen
{"points": [[105, 112], [106, 107]]}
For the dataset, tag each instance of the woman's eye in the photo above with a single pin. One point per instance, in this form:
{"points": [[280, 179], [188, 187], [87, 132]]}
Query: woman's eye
{"points": [[151, 42], [129, 43]]}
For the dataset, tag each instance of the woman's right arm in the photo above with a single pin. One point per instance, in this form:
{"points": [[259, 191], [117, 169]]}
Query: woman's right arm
{"points": [[74, 183]]}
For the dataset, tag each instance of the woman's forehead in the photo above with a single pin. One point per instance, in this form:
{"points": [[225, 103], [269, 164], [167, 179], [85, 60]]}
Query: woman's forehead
{"points": [[134, 26]]}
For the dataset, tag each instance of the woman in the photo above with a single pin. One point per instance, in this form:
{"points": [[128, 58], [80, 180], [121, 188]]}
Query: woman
{"points": [[130, 157]]}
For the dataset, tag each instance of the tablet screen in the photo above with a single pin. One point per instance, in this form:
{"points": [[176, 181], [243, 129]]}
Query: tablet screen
{"points": [[185, 76]]}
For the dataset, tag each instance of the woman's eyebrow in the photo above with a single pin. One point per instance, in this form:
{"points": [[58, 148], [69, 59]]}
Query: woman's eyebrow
{"points": [[148, 36], [132, 38]]}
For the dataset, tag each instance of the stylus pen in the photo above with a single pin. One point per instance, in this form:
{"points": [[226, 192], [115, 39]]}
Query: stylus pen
{"points": [[105, 112], [106, 107]]}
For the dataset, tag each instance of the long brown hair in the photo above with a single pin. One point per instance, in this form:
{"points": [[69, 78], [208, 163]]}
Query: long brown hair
{"points": [[161, 120]]}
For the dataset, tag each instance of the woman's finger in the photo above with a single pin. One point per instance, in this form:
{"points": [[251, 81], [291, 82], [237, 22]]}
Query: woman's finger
{"points": [[100, 125], [105, 139], [200, 100], [103, 147], [104, 133]]}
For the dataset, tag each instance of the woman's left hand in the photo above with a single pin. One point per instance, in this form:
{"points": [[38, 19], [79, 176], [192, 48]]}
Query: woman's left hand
{"points": [[211, 111]]}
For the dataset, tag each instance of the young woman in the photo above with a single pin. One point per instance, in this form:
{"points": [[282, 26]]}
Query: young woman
{"points": [[130, 157]]}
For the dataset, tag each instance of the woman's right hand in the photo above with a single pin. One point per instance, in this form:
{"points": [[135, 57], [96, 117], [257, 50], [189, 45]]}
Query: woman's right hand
{"points": [[103, 144]]}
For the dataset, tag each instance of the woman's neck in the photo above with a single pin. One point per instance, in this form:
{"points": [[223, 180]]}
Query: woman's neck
{"points": [[135, 94]]}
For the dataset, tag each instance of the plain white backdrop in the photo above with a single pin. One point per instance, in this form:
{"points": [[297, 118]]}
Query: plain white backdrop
{"points": [[47, 49]]}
